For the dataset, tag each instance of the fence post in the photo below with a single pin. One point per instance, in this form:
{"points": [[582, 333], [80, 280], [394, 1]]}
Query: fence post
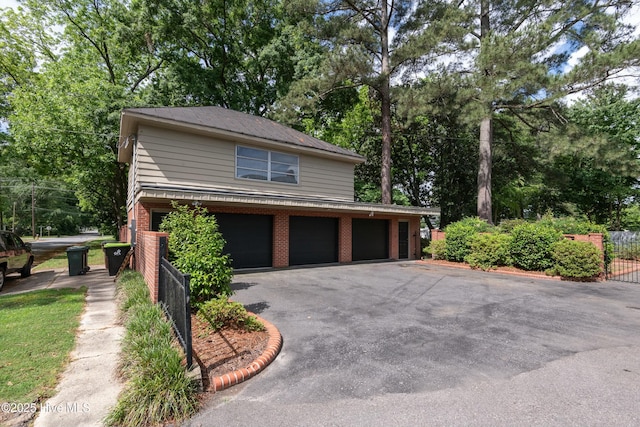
{"points": [[162, 248], [187, 320]]}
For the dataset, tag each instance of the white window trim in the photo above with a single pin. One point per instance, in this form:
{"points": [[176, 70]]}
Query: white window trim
{"points": [[269, 180]]}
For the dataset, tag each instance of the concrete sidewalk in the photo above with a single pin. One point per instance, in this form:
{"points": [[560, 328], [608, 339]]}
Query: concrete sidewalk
{"points": [[88, 388]]}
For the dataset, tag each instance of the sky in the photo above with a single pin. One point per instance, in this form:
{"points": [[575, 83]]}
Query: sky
{"points": [[8, 3], [633, 18]]}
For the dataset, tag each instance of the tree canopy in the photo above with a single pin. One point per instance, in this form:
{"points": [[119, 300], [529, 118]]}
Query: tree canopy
{"points": [[461, 105]]}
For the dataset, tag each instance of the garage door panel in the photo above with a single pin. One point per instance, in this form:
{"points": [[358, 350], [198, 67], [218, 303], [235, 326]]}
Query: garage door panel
{"points": [[313, 240], [370, 239], [249, 239]]}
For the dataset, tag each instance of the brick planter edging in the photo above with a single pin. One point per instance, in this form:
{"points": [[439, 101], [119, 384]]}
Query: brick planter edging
{"points": [[268, 355]]}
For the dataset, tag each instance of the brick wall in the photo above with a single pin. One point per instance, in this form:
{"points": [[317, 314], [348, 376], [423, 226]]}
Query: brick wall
{"points": [[143, 216], [596, 238], [437, 235], [148, 259], [281, 228], [280, 240], [345, 243]]}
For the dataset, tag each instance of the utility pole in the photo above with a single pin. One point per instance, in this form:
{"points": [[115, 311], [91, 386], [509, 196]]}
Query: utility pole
{"points": [[13, 226], [33, 209]]}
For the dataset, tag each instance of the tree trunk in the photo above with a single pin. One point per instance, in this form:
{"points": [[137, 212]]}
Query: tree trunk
{"points": [[385, 95], [484, 170], [486, 131]]}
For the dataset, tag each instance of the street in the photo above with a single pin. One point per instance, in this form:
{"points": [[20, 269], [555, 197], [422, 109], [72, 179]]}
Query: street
{"points": [[44, 247]]}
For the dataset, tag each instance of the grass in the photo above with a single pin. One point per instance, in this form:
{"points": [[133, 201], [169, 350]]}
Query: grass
{"points": [[38, 333], [95, 256], [157, 388]]}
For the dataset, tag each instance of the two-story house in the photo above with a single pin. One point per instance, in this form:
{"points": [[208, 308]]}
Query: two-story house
{"points": [[281, 197]]}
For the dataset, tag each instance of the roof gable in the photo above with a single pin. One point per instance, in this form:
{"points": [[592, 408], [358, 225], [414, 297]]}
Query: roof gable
{"points": [[226, 120]]}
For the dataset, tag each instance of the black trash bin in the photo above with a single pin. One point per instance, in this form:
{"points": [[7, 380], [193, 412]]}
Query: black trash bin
{"points": [[77, 257], [106, 260], [115, 252]]}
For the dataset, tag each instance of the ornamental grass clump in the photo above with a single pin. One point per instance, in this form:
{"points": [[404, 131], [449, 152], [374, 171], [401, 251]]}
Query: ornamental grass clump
{"points": [[157, 389]]}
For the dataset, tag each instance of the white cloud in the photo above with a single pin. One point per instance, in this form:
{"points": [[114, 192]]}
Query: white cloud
{"points": [[575, 57], [8, 3], [633, 18], [630, 76]]}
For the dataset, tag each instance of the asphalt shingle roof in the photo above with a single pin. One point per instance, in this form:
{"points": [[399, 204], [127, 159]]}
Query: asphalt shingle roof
{"points": [[234, 121]]}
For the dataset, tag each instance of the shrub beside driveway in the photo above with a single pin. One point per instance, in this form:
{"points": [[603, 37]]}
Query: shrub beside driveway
{"points": [[528, 246]]}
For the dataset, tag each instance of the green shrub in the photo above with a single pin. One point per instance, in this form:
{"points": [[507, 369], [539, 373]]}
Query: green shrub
{"points": [[157, 389], [631, 218], [221, 312], [507, 225], [436, 249], [531, 247], [630, 252], [570, 225], [577, 260], [195, 248], [459, 235], [489, 251]]}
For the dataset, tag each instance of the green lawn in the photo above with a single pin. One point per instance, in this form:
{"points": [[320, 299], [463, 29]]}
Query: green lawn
{"points": [[94, 257], [38, 333]]}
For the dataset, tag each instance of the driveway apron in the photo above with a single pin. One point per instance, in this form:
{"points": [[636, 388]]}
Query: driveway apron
{"points": [[403, 343]]}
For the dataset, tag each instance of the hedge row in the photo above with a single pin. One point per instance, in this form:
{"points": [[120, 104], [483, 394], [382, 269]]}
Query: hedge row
{"points": [[538, 246]]}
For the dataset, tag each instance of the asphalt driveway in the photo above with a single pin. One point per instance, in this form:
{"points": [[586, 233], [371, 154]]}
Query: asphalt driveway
{"points": [[403, 344]]}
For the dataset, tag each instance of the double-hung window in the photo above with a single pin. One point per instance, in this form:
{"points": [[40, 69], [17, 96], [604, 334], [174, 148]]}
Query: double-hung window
{"points": [[265, 165]]}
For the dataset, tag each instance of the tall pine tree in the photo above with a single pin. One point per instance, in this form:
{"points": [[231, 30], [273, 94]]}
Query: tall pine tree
{"points": [[514, 56]]}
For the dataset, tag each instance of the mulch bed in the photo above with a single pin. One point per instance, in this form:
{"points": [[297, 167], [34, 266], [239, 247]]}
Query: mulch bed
{"points": [[224, 351]]}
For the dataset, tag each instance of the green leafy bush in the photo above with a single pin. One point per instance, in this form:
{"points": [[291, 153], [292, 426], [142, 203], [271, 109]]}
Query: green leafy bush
{"points": [[221, 312], [531, 247], [570, 225], [489, 251], [195, 248], [577, 260], [631, 252], [436, 249], [507, 225], [459, 235]]}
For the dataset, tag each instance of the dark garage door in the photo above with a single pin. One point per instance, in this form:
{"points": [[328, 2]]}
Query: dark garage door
{"points": [[156, 219], [249, 239], [313, 240], [370, 239]]}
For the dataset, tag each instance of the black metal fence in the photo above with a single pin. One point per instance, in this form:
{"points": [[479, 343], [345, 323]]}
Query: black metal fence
{"points": [[174, 295], [625, 266]]}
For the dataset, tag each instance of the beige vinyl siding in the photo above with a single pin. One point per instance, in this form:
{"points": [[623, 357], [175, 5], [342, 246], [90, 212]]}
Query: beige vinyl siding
{"points": [[131, 182], [166, 157]]}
